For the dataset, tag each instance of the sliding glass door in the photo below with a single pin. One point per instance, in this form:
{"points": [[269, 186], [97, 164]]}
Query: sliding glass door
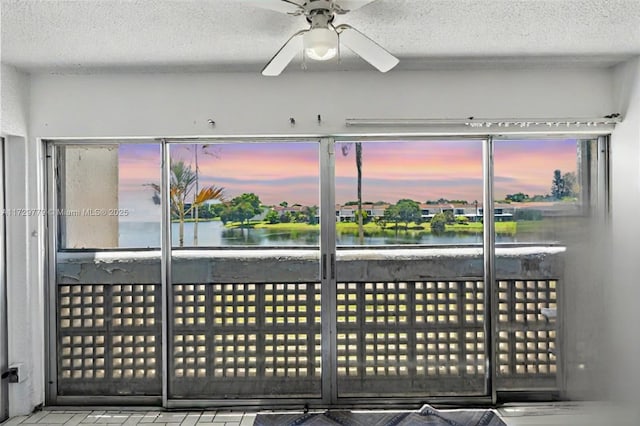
{"points": [[106, 307], [549, 201], [410, 278], [245, 289]]}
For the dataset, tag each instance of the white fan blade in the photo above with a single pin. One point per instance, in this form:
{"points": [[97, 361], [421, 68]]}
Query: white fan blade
{"points": [[279, 62], [349, 5], [366, 48], [291, 7]]}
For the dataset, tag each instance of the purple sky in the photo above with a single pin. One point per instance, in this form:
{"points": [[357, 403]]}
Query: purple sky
{"points": [[289, 171]]}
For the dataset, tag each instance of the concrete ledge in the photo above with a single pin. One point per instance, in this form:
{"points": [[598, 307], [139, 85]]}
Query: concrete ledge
{"points": [[303, 265]]}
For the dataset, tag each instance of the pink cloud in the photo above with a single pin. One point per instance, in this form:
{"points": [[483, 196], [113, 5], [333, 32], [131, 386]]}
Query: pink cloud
{"points": [[420, 170]]}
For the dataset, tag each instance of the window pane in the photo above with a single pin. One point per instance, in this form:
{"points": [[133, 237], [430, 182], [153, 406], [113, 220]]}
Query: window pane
{"points": [[543, 200], [106, 196], [539, 189], [251, 194], [404, 187]]}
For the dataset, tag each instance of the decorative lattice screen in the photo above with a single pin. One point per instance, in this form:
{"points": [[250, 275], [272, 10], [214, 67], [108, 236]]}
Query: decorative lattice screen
{"points": [[408, 338], [527, 355], [246, 340], [263, 340], [109, 340]]}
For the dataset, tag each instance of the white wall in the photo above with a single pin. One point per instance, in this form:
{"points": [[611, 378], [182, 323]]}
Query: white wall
{"points": [[624, 287], [24, 247], [14, 114], [128, 105], [181, 104]]}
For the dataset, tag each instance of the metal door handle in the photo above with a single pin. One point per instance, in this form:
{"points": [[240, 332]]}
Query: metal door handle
{"points": [[324, 266]]}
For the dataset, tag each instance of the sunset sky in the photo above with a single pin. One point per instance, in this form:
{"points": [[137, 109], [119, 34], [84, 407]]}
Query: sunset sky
{"points": [[289, 171]]}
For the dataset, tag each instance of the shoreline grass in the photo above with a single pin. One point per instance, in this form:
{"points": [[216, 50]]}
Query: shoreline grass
{"points": [[190, 220], [509, 228]]}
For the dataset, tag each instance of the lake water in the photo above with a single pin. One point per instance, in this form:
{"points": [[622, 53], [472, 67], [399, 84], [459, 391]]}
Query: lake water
{"points": [[214, 234]]}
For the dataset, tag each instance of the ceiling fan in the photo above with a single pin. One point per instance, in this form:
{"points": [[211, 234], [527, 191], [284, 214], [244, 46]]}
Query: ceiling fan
{"points": [[322, 40]]}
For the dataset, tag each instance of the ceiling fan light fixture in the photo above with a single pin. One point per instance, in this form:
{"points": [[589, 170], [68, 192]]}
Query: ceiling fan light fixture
{"points": [[320, 44], [322, 40]]}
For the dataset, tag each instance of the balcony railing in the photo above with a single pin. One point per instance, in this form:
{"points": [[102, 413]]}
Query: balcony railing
{"points": [[247, 323]]}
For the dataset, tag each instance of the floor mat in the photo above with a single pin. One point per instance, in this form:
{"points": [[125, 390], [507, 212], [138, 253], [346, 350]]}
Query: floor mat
{"points": [[427, 416]]}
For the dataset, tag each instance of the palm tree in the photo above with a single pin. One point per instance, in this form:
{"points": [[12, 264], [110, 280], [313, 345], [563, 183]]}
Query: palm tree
{"points": [[359, 215], [183, 181]]}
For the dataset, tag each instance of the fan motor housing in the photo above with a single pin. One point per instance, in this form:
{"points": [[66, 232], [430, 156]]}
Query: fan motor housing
{"points": [[318, 6], [317, 15]]}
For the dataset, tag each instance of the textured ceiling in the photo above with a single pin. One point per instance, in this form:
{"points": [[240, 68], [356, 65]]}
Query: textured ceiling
{"points": [[230, 35]]}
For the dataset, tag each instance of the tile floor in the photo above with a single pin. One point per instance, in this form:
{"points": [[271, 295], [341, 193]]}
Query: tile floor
{"points": [[571, 414], [130, 418]]}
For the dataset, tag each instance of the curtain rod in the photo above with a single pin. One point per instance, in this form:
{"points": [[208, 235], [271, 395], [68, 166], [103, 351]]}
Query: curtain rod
{"points": [[473, 122]]}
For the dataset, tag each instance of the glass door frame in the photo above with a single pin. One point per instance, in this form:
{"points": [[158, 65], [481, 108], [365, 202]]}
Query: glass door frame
{"points": [[53, 186], [596, 203], [488, 243], [327, 264], [324, 267]]}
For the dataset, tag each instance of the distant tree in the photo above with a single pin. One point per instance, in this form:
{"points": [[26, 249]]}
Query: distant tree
{"points": [[557, 185], [272, 217], [517, 198], [408, 211], [445, 201], [300, 217], [364, 214], [217, 209], [570, 185], [205, 212], [284, 204], [462, 220], [449, 217], [311, 213], [438, 223], [563, 185], [381, 221], [355, 203], [286, 217], [391, 215], [242, 208]]}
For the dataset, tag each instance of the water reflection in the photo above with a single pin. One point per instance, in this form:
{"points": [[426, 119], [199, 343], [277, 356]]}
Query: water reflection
{"points": [[240, 236], [215, 234]]}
